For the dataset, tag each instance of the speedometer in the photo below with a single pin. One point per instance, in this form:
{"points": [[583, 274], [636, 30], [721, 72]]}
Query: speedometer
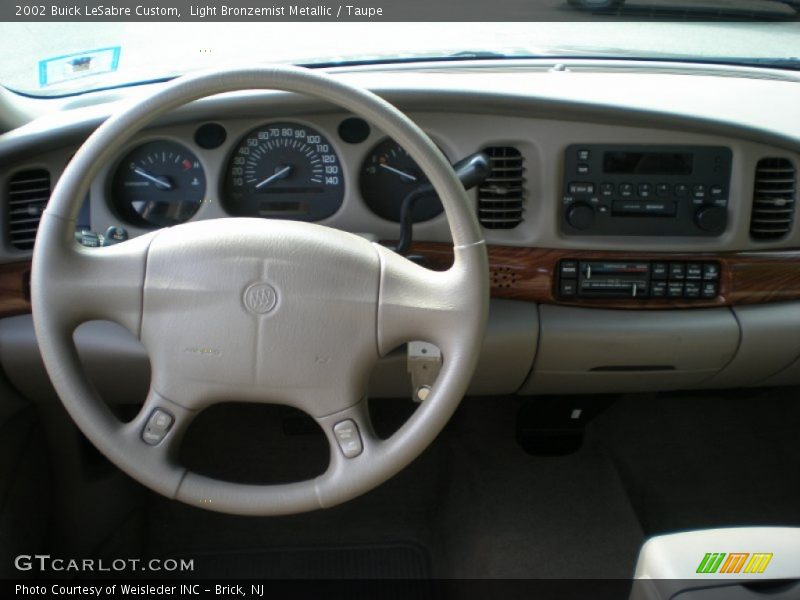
{"points": [[284, 171]]}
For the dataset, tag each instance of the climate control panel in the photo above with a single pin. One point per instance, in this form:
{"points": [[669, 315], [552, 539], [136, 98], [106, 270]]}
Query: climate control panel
{"points": [[645, 190], [638, 279]]}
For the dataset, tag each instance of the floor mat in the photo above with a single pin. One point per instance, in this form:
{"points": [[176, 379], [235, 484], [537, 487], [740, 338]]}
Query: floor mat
{"points": [[704, 459], [369, 561]]}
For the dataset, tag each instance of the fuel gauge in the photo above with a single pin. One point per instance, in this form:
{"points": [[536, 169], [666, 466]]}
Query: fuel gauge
{"points": [[158, 184]]}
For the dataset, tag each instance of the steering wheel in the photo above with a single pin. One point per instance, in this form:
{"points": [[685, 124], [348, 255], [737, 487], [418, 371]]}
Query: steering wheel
{"points": [[255, 310]]}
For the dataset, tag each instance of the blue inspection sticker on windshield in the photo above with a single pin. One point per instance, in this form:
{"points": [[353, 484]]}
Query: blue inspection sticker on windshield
{"points": [[81, 64]]}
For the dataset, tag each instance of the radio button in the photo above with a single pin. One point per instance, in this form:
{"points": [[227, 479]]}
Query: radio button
{"points": [[711, 218], [675, 289], [692, 289], [663, 189], [606, 189], [645, 189], [699, 191], [694, 271], [659, 270], [581, 188], [580, 215], [677, 271], [628, 207], [681, 190], [664, 209]]}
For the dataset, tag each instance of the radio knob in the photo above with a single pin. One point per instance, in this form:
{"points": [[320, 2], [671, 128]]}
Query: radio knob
{"points": [[710, 218], [580, 215]]}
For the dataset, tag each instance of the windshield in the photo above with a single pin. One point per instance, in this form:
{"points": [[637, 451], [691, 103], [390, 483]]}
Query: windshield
{"points": [[51, 59]]}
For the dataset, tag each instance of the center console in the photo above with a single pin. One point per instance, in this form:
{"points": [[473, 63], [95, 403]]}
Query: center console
{"points": [[645, 190]]}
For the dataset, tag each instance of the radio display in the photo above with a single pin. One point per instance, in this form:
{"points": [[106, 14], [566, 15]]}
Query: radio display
{"points": [[648, 163]]}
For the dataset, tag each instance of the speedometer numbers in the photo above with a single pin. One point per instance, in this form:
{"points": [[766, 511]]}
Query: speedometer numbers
{"points": [[284, 170]]}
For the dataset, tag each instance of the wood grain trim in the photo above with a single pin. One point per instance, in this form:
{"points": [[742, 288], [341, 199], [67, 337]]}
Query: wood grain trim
{"points": [[14, 296], [528, 274]]}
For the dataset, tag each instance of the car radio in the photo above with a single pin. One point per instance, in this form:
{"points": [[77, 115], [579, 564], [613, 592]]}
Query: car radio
{"points": [[645, 190]]}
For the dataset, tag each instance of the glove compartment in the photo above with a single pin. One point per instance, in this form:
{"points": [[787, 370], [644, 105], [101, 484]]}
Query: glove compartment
{"points": [[587, 350]]}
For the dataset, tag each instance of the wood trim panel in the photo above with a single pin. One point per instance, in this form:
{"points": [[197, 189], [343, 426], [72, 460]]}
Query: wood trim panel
{"points": [[528, 274], [14, 296]]}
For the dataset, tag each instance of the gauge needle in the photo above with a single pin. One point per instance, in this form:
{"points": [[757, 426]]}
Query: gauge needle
{"points": [[403, 174], [162, 182], [276, 175]]}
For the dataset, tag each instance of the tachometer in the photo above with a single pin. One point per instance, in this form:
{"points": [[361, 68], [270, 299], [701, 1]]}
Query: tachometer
{"points": [[284, 171], [158, 184]]}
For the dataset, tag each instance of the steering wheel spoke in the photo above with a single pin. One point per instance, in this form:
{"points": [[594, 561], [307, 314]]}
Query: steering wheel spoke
{"points": [[416, 303], [96, 283]]}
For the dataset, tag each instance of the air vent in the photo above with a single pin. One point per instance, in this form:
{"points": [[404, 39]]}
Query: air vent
{"points": [[501, 196], [28, 193], [773, 199]]}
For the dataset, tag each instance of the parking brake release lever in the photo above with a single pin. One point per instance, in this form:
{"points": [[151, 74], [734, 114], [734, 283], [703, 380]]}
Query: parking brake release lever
{"points": [[471, 171]]}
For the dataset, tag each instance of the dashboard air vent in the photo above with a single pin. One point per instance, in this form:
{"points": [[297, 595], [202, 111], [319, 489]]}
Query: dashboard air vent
{"points": [[28, 193], [773, 199], [501, 196]]}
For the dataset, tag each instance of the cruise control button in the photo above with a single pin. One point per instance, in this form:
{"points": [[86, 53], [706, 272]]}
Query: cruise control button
{"points": [[348, 438], [157, 426]]}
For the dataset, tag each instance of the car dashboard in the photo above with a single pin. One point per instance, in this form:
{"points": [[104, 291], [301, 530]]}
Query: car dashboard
{"points": [[639, 218]]}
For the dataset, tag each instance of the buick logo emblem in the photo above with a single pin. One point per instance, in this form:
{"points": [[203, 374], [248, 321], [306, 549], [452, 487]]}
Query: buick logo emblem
{"points": [[260, 298]]}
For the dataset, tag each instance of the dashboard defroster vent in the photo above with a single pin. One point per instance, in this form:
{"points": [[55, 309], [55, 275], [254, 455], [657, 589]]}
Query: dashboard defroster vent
{"points": [[502, 195], [773, 199], [27, 196]]}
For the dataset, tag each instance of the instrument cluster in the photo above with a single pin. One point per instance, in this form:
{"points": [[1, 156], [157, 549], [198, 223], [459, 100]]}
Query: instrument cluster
{"points": [[279, 170]]}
